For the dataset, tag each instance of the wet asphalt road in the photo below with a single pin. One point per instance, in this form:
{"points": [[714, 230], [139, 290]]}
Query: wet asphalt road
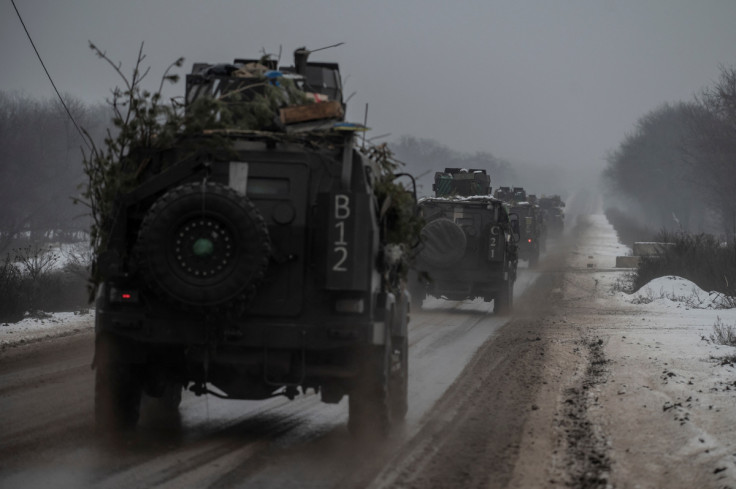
{"points": [[47, 434]]}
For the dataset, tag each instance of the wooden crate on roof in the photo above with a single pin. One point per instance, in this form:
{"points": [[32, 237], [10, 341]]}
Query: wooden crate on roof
{"points": [[311, 112]]}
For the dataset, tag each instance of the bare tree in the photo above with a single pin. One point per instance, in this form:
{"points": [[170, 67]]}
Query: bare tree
{"points": [[40, 166], [714, 139], [423, 157], [650, 171]]}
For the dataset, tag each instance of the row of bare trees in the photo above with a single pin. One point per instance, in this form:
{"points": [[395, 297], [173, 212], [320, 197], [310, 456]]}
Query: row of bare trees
{"points": [[40, 167], [677, 170], [423, 157]]}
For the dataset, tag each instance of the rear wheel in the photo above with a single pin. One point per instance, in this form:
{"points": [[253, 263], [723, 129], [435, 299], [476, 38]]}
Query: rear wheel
{"points": [[369, 400], [503, 304], [170, 400], [399, 379], [418, 295], [417, 290], [161, 412], [378, 401], [534, 259], [118, 387]]}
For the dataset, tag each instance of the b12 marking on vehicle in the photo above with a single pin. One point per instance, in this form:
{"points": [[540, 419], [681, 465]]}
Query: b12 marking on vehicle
{"points": [[340, 246], [348, 240]]}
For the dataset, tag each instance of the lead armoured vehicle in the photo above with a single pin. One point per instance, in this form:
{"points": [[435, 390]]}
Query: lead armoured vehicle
{"points": [[468, 242], [259, 269]]}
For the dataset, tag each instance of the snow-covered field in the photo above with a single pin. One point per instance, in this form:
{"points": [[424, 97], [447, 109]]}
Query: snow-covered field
{"points": [[42, 325], [671, 310], [52, 256], [667, 403]]}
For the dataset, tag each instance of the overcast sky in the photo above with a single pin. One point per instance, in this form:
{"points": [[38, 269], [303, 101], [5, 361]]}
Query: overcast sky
{"points": [[542, 81]]}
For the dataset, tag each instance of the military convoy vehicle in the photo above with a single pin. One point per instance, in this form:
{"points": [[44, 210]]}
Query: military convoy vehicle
{"points": [[532, 231], [259, 269], [468, 245], [554, 216]]}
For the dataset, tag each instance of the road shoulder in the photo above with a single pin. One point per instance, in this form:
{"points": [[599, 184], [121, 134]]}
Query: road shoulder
{"points": [[632, 395]]}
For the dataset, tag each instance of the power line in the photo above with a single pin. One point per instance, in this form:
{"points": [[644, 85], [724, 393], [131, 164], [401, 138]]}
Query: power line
{"points": [[68, 112]]}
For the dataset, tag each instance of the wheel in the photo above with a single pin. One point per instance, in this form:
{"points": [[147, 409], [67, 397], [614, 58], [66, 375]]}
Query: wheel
{"points": [[504, 301], [378, 401], [368, 403], [202, 245], [161, 413], [399, 379], [171, 398], [534, 259], [444, 244], [417, 289], [118, 387], [418, 294]]}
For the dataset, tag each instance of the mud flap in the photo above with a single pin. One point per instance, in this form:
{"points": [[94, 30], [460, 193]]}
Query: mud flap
{"points": [[300, 375]]}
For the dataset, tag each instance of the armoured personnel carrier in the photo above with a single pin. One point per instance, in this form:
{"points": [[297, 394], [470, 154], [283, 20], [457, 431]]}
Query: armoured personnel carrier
{"points": [[554, 216], [261, 268], [468, 242], [532, 232]]}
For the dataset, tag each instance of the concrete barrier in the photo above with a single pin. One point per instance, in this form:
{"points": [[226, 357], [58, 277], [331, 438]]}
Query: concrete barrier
{"points": [[627, 261], [644, 248], [641, 248]]}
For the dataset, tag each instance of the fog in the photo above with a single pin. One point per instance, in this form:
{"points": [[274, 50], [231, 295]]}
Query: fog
{"points": [[545, 83]]}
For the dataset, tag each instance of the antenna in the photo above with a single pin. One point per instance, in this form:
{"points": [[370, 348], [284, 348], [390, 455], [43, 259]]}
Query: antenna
{"points": [[384, 135], [326, 47], [365, 124]]}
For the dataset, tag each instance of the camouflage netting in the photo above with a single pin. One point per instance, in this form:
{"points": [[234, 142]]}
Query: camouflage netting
{"points": [[401, 223], [252, 107], [144, 123]]}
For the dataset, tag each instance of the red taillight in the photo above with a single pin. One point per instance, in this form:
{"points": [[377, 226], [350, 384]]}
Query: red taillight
{"points": [[530, 240], [119, 296]]}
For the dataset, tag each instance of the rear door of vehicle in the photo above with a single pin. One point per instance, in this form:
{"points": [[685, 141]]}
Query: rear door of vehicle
{"points": [[280, 191]]}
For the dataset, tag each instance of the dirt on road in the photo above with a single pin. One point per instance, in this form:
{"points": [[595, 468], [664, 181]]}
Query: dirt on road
{"points": [[577, 392]]}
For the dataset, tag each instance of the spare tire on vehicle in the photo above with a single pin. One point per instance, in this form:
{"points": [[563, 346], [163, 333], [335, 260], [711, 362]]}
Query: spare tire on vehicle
{"points": [[444, 243], [203, 245]]}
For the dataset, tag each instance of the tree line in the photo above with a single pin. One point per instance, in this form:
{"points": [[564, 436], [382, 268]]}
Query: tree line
{"points": [[676, 171], [423, 157], [40, 167]]}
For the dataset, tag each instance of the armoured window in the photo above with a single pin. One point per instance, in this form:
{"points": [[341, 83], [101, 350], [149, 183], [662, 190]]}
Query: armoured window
{"points": [[268, 186]]}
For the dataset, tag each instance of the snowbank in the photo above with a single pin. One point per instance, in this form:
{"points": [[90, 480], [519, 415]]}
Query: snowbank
{"points": [[33, 329], [676, 292]]}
